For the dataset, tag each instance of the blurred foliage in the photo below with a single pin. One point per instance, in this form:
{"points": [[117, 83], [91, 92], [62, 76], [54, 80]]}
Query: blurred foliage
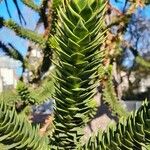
{"points": [[17, 132], [24, 93], [10, 97], [128, 134], [109, 93]]}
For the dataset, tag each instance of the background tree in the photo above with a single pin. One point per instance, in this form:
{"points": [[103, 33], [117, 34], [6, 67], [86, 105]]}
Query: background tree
{"points": [[47, 17], [115, 52]]}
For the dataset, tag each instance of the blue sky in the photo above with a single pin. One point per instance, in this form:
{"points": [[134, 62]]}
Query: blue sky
{"points": [[144, 13], [31, 18], [7, 35]]}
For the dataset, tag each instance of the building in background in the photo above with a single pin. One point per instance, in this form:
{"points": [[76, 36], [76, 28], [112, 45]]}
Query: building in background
{"points": [[8, 77], [35, 58]]}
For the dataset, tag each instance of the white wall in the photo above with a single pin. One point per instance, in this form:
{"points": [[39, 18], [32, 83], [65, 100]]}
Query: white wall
{"points": [[8, 78]]}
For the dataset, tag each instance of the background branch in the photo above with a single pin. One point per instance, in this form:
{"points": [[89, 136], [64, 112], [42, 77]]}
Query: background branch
{"points": [[22, 32], [31, 4]]}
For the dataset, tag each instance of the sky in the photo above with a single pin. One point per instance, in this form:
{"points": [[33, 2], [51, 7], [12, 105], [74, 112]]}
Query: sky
{"points": [[120, 5], [144, 13], [8, 36], [31, 19]]}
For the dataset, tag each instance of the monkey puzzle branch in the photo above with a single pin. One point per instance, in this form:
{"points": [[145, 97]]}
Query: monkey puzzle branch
{"points": [[22, 32], [11, 52], [31, 4]]}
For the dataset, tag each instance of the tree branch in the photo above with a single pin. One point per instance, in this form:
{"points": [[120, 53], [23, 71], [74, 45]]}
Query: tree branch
{"points": [[11, 52], [143, 62], [21, 18], [117, 21], [31, 4], [22, 32], [7, 8]]}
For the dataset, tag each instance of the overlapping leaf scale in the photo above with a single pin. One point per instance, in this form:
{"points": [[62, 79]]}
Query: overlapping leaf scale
{"points": [[79, 35], [15, 133], [130, 134]]}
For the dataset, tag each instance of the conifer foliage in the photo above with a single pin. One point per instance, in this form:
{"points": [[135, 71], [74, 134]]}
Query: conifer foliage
{"points": [[79, 35], [129, 134], [17, 133]]}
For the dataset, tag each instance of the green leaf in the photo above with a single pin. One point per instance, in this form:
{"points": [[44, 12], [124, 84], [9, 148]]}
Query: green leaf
{"points": [[86, 12], [80, 30]]}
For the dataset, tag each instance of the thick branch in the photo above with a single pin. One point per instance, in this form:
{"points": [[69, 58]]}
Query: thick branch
{"points": [[22, 32], [43, 14]]}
